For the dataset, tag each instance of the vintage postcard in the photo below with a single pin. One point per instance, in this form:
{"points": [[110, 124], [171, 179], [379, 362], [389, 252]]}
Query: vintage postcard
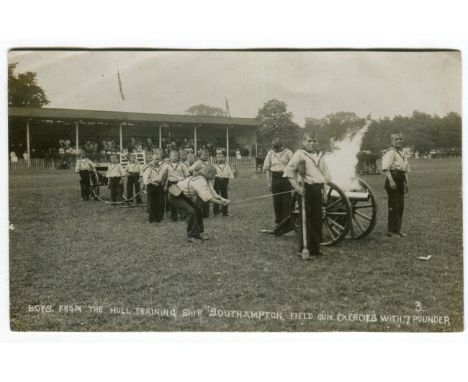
{"points": [[235, 191]]}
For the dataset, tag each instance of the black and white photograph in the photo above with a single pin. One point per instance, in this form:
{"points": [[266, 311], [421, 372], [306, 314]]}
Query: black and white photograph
{"points": [[262, 190]]}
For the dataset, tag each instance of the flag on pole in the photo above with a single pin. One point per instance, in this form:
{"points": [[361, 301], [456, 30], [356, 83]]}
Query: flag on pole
{"points": [[120, 85], [227, 108]]}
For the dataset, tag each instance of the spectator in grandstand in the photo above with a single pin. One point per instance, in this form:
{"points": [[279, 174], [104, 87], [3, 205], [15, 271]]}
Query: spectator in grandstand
{"points": [[131, 145], [137, 148]]}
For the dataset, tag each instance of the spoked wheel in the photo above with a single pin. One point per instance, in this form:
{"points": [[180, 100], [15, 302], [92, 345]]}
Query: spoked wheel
{"points": [[364, 211], [336, 215]]}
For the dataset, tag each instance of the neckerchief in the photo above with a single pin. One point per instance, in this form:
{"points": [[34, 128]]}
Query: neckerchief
{"points": [[280, 154], [319, 154]]}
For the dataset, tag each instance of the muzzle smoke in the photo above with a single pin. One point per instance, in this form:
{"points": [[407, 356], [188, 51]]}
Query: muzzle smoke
{"points": [[343, 160]]}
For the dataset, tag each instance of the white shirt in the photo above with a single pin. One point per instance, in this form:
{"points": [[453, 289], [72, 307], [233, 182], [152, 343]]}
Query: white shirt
{"points": [[176, 171], [83, 165], [394, 159], [153, 174], [223, 170], [277, 161], [115, 171], [134, 168], [196, 186], [316, 168]]}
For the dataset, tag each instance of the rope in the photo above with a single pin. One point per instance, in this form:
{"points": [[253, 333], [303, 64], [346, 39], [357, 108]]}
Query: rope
{"points": [[260, 197], [122, 202]]}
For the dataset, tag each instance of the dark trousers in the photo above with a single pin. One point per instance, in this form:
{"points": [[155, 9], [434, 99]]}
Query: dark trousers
{"points": [[155, 198], [313, 207], [396, 201], [169, 206], [280, 202], [193, 212], [85, 184], [205, 206], [115, 188], [221, 188], [133, 180]]}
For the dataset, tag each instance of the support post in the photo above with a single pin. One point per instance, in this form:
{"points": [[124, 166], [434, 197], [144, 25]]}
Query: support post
{"points": [[227, 144], [28, 146], [160, 136], [120, 138], [195, 144], [77, 137]]}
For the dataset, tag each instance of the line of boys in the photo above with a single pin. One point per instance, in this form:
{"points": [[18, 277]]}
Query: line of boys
{"points": [[160, 174]]}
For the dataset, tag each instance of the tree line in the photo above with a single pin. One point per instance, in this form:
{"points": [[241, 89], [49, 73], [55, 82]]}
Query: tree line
{"points": [[422, 132]]}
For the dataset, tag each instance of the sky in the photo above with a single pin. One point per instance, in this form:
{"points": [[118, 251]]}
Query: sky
{"points": [[313, 84]]}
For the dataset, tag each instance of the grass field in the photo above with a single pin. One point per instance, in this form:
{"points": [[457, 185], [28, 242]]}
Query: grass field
{"points": [[106, 263]]}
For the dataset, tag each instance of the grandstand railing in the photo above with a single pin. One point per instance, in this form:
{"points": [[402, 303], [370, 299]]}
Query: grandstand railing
{"points": [[240, 161], [41, 164], [35, 164]]}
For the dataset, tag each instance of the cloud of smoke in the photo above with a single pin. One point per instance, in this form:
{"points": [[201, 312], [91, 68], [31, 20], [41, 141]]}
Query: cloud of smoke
{"points": [[343, 160]]}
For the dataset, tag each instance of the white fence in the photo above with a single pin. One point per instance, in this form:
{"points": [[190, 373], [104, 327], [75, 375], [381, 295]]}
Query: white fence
{"points": [[35, 164], [39, 164]]}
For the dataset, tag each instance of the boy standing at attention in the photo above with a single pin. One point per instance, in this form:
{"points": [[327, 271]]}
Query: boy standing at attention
{"points": [[133, 179], [308, 174], [84, 167], [395, 167], [154, 177], [176, 171], [221, 183], [116, 175]]}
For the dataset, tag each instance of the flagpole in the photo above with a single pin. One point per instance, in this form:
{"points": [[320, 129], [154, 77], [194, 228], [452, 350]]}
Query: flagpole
{"points": [[227, 129]]}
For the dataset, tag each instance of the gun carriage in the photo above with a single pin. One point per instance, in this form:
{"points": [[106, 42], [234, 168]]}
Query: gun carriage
{"points": [[346, 214]]}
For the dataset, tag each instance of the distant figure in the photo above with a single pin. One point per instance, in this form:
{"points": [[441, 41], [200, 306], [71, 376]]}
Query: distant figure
{"points": [[13, 157], [395, 166], [238, 154]]}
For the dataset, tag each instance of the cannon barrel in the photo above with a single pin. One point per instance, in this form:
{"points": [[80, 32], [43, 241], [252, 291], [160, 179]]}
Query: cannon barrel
{"points": [[359, 196]]}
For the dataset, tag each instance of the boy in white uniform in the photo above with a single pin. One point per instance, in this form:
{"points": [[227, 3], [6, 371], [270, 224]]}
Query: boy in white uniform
{"points": [[221, 182], [154, 177], [84, 167], [308, 174], [176, 171], [275, 162], [116, 175]]}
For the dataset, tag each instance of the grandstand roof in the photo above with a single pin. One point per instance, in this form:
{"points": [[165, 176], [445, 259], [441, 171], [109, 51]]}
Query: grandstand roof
{"points": [[120, 116]]}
